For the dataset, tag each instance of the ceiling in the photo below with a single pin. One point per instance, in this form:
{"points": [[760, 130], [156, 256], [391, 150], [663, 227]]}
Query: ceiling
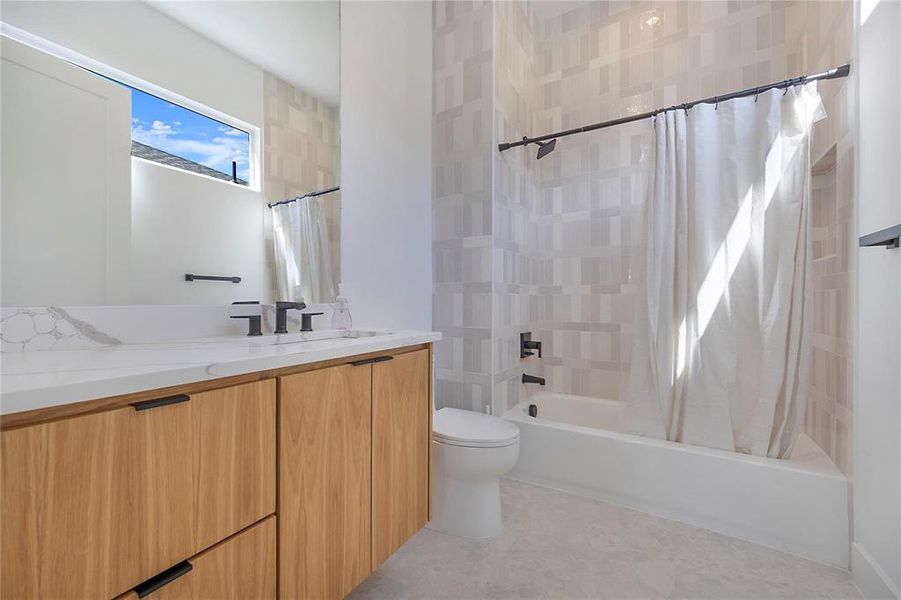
{"points": [[296, 40]]}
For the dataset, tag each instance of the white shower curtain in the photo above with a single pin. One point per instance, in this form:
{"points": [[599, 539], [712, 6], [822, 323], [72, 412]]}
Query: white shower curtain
{"points": [[721, 350], [303, 257]]}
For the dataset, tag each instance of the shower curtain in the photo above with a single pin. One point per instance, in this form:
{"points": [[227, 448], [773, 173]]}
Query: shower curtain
{"points": [[304, 270], [721, 345]]}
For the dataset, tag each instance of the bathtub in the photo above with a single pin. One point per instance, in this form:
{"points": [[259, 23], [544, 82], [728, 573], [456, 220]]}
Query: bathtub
{"points": [[577, 444]]}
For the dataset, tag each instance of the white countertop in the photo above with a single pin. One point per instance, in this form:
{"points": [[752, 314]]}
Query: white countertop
{"points": [[43, 378]]}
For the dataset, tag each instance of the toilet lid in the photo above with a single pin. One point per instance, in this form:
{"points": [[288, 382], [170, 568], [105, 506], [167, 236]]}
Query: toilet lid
{"points": [[472, 429]]}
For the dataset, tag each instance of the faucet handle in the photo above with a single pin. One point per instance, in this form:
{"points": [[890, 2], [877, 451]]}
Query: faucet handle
{"points": [[282, 305], [247, 302], [306, 320], [526, 344], [254, 323]]}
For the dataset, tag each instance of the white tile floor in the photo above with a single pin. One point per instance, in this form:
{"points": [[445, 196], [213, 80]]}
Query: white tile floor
{"points": [[560, 546]]}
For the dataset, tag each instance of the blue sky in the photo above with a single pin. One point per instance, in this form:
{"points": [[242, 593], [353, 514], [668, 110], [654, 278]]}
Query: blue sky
{"points": [[179, 131]]}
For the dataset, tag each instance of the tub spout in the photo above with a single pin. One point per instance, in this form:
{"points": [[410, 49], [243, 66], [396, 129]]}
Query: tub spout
{"points": [[532, 379]]}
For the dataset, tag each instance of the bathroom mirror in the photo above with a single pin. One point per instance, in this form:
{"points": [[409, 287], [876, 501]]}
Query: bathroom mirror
{"points": [[143, 143]]}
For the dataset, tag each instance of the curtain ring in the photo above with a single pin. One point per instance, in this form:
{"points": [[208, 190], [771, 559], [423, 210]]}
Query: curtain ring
{"points": [[716, 103], [756, 94], [788, 82]]}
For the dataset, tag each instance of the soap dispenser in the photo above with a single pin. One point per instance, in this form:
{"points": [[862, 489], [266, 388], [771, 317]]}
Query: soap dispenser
{"points": [[341, 314]]}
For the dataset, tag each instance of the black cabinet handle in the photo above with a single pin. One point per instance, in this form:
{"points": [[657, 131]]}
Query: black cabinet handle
{"points": [[162, 579], [369, 361], [148, 404]]}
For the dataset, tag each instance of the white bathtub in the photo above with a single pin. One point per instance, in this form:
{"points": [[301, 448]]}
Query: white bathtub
{"points": [[577, 444]]}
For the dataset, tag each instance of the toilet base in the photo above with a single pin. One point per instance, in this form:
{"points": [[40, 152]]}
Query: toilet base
{"points": [[466, 496], [467, 510]]}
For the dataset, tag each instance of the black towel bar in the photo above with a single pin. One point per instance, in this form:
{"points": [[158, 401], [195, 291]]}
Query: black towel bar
{"points": [[192, 277]]}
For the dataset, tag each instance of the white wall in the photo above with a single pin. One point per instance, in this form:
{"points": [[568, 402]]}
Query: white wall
{"points": [[386, 145], [133, 37], [218, 231], [180, 222], [66, 185], [876, 552]]}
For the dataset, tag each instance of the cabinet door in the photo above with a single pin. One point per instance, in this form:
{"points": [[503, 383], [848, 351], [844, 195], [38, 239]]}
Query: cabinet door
{"points": [[401, 438], [242, 567], [235, 459], [324, 481], [96, 504]]}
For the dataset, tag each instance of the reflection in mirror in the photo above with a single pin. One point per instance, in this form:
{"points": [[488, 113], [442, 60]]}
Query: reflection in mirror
{"points": [[305, 268], [147, 140]]}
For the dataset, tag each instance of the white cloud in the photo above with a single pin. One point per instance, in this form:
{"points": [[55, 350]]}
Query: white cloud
{"points": [[232, 131], [162, 129], [217, 154]]}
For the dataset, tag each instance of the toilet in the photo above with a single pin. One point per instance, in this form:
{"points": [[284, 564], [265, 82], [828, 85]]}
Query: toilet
{"points": [[470, 453]]}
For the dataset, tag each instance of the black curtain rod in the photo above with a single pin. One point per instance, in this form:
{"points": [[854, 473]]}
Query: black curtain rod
{"points": [[309, 195], [835, 73]]}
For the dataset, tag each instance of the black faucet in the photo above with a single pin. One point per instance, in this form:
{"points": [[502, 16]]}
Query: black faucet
{"points": [[254, 322], [532, 379], [281, 314]]}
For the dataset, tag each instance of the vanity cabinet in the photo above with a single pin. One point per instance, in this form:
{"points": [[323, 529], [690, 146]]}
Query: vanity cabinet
{"points": [[94, 505], [243, 567], [296, 481], [325, 420], [401, 441], [353, 471]]}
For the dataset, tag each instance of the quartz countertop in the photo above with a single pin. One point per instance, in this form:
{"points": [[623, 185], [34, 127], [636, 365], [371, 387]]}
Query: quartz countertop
{"points": [[44, 378]]}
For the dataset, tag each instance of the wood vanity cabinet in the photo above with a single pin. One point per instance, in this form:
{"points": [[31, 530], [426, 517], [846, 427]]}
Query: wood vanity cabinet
{"points": [[96, 504], [353, 470], [239, 568], [401, 441], [297, 482], [325, 421]]}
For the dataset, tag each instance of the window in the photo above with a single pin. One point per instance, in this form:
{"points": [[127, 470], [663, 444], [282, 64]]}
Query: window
{"points": [[173, 135]]}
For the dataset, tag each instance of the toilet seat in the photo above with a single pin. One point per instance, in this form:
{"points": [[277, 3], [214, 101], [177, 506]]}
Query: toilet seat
{"points": [[469, 429]]}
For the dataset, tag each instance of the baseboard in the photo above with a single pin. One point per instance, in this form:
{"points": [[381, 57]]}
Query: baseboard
{"points": [[869, 578]]}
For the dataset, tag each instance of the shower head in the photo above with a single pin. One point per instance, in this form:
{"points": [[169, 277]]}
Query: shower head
{"points": [[545, 148]]}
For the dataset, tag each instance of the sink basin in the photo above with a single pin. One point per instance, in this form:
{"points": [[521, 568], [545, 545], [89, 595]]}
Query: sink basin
{"points": [[314, 336]]}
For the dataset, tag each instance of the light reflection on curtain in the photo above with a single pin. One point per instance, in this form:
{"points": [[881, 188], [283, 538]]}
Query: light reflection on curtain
{"points": [[723, 320], [304, 269]]}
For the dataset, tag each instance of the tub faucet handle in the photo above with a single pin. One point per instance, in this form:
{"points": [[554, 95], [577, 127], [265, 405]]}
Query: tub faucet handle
{"points": [[527, 344]]}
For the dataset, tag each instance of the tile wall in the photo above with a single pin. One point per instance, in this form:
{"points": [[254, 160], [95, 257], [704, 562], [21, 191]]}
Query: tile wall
{"points": [[824, 39], [463, 38], [514, 206], [300, 146]]}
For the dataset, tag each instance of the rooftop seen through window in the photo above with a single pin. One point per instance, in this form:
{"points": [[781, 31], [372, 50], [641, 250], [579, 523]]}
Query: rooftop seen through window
{"points": [[179, 137]]}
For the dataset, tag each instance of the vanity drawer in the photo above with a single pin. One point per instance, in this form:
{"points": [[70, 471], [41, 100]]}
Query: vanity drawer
{"points": [[94, 505], [242, 567]]}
